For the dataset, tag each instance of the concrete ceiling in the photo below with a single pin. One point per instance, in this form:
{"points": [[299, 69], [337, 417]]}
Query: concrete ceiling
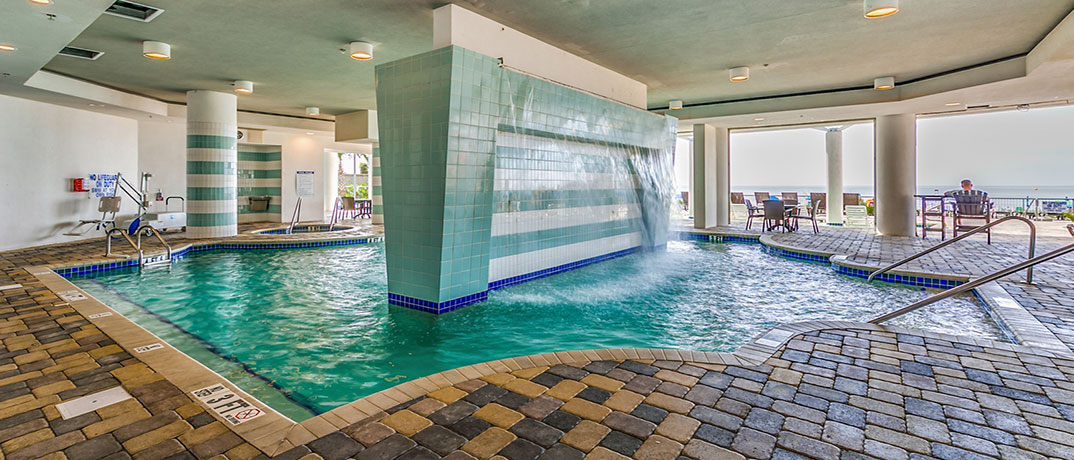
{"points": [[681, 49]]}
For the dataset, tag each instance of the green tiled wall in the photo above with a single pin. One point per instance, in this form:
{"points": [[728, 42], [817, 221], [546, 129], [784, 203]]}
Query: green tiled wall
{"points": [[259, 175], [439, 115]]}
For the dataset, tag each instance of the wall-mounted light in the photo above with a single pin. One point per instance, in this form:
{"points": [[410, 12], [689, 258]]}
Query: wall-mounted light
{"points": [[675, 105], [883, 83], [7, 47], [244, 86], [880, 8], [313, 111], [362, 51], [156, 50], [740, 74]]}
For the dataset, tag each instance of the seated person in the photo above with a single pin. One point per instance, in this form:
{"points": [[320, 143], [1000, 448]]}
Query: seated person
{"points": [[967, 199]]}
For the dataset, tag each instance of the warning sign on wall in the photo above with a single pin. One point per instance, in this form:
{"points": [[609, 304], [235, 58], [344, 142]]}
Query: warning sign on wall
{"points": [[102, 184], [227, 404]]}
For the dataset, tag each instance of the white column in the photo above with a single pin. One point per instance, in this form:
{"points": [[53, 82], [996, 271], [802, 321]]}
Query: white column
{"points": [[331, 181], [896, 174], [212, 158], [833, 144], [703, 194], [723, 177]]}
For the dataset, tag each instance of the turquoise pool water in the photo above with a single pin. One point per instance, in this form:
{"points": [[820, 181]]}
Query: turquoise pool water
{"points": [[308, 330]]}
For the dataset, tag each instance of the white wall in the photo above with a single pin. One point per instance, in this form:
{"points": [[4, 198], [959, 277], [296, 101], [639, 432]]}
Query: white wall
{"points": [[302, 152], [43, 146], [162, 153]]}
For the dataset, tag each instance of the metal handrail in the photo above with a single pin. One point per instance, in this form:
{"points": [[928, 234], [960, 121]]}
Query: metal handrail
{"points": [[294, 216], [977, 282], [156, 234], [337, 209], [1032, 245], [108, 243]]}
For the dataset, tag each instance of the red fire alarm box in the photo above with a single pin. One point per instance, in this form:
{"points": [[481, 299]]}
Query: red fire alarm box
{"points": [[79, 184]]}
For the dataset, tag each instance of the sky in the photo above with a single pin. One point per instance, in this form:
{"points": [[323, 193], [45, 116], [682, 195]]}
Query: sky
{"points": [[1032, 148]]}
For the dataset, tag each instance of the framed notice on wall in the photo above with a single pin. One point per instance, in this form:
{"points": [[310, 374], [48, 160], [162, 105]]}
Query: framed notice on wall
{"points": [[304, 183]]}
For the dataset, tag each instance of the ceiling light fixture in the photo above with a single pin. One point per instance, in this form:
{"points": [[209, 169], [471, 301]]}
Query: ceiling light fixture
{"points": [[6, 47], [740, 74], [675, 105], [883, 83], [758, 119], [244, 86], [362, 51], [880, 8], [156, 50], [313, 111], [41, 2], [953, 104], [309, 134]]}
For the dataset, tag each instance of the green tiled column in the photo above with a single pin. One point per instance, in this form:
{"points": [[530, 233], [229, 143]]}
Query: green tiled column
{"points": [[211, 140], [378, 193], [443, 116]]}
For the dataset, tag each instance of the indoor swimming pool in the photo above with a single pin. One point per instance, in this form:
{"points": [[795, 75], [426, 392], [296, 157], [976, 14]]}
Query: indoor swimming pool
{"points": [[308, 330]]}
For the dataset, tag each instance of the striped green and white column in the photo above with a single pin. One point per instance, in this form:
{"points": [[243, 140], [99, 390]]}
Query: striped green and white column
{"points": [[377, 197], [211, 159]]}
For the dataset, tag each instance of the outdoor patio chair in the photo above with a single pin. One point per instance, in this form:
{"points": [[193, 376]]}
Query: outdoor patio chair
{"points": [[811, 215], [822, 198], [790, 197], [751, 213], [775, 215], [972, 209], [348, 207], [857, 215], [738, 198], [739, 211], [761, 197], [851, 199]]}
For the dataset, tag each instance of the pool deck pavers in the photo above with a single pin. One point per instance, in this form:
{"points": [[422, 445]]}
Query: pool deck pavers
{"points": [[824, 390]]}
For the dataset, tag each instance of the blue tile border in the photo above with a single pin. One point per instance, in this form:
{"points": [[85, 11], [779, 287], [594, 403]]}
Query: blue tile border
{"points": [[907, 280], [98, 268], [455, 304]]}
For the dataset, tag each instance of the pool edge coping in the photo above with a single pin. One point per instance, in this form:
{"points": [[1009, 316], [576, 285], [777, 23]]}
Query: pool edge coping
{"points": [[276, 433]]}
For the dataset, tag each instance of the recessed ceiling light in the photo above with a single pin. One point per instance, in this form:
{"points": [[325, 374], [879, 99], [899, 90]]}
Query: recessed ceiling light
{"points": [[675, 105], [880, 8], [883, 83], [313, 111], [244, 86], [156, 50], [740, 74], [362, 51], [6, 47]]}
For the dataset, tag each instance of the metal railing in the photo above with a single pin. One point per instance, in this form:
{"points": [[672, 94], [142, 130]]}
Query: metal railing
{"points": [[155, 233], [123, 233], [1032, 245], [337, 210], [294, 216], [977, 282]]}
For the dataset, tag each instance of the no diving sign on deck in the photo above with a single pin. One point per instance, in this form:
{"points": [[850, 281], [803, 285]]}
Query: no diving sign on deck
{"points": [[227, 404]]}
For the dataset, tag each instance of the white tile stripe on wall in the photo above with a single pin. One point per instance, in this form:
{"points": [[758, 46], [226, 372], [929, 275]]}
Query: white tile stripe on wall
{"points": [[529, 262], [506, 223]]}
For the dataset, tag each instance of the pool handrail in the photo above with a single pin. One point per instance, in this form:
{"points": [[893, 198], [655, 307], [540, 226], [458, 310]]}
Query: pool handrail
{"points": [[1032, 245], [154, 232], [123, 233], [294, 216], [977, 282]]}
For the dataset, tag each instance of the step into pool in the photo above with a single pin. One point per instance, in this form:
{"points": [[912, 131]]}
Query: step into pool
{"points": [[308, 330]]}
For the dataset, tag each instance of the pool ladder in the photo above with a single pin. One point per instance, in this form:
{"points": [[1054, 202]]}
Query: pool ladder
{"points": [[965, 287], [136, 244]]}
